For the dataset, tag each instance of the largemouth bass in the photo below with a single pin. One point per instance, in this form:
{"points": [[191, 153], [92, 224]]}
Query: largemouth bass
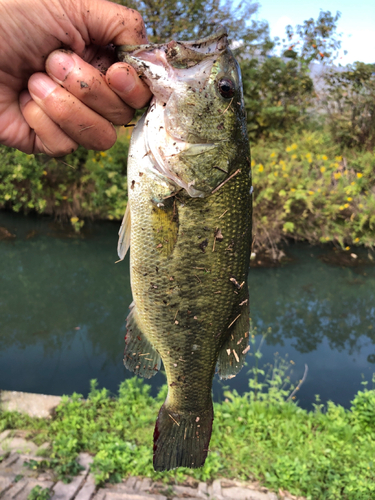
{"points": [[188, 223]]}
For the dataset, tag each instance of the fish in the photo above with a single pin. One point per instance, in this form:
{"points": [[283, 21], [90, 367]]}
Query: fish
{"points": [[188, 227]]}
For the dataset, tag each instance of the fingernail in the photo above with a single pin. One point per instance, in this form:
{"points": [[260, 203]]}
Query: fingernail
{"points": [[25, 97], [41, 85], [122, 80], [59, 65]]}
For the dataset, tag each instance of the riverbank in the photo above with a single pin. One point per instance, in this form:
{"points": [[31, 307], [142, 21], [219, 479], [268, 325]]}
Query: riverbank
{"points": [[323, 454], [304, 189]]}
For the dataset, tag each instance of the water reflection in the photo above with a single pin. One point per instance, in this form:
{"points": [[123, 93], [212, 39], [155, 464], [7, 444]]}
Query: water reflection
{"points": [[63, 304]]}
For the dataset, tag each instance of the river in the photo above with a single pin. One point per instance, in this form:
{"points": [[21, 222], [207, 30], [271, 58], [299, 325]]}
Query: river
{"points": [[64, 301]]}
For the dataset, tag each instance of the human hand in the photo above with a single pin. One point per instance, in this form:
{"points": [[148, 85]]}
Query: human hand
{"points": [[73, 102]]}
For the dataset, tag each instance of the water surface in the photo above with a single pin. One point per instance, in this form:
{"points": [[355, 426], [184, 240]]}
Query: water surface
{"points": [[64, 301]]}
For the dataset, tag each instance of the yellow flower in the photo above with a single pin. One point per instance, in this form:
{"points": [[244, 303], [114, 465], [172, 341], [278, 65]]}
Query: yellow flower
{"points": [[294, 146], [359, 175], [327, 238], [73, 220], [308, 155], [294, 157], [349, 198], [285, 175], [103, 154], [360, 205], [272, 155], [319, 190], [338, 158], [352, 183], [253, 163], [64, 197], [275, 174], [324, 157], [309, 160], [337, 175], [293, 190], [288, 149], [322, 169], [356, 240], [260, 168], [311, 192], [346, 205], [44, 172], [341, 208], [347, 248]]}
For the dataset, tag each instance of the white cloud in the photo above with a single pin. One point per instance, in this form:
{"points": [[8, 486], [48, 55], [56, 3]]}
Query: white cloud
{"points": [[360, 46], [278, 28]]}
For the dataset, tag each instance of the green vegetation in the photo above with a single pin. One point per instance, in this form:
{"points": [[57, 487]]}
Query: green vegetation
{"points": [[39, 493], [263, 435], [304, 189], [84, 184]]}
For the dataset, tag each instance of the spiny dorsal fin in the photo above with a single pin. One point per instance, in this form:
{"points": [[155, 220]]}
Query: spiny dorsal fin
{"points": [[124, 234]]}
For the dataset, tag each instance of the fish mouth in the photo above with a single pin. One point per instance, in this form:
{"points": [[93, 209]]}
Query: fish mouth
{"points": [[180, 54], [170, 67]]}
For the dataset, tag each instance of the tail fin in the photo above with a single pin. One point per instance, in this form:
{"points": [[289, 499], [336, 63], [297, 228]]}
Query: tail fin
{"points": [[181, 440]]}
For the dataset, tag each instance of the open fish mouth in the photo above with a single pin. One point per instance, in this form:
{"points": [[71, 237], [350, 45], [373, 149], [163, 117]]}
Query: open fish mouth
{"points": [[169, 67]]}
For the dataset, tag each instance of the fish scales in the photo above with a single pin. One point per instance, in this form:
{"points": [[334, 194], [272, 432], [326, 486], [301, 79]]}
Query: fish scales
{"points": [[189, 227]]}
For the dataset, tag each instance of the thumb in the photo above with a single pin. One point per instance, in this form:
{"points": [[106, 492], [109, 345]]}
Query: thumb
{"points": [[102, 22]]}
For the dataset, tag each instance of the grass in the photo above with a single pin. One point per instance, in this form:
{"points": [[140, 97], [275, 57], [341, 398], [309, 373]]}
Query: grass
{"points": [[327, 453]]}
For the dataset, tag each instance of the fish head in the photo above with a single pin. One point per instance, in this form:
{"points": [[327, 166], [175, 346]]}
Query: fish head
{"points": [[197, 116]]}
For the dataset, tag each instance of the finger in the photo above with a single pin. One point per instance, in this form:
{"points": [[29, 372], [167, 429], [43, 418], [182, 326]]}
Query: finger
{"points": [[49, 138], [80, 123], [107, 22], [123, 80], [88, 84]]}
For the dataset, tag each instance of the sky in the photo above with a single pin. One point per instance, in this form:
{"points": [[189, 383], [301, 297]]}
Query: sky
{"points": [[357, 22]]}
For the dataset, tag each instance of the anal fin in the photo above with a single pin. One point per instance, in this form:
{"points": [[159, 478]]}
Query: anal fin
{"points": [[233, 353], [124, 234], [140, 355]]}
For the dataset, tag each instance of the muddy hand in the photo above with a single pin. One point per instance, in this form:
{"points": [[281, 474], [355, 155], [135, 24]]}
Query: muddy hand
{"points": [[52, 99], [75, 103]]}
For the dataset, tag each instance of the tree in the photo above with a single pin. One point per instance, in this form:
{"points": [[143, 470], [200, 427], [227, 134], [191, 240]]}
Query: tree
{"points": [[314, 39], [350, 103], [279, 91], [175, 19]]}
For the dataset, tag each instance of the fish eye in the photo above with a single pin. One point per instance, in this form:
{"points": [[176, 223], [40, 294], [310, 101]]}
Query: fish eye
{"points": [[226, 87]]}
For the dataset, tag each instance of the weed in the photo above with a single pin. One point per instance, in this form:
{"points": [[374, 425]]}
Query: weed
{"points": [[39, 493]]}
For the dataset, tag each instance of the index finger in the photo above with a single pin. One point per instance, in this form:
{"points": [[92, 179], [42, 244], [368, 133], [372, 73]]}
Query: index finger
{"points": [[103, 22]]}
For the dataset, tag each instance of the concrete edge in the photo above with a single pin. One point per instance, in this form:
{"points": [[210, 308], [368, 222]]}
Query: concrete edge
{"points": [[34, 405]]}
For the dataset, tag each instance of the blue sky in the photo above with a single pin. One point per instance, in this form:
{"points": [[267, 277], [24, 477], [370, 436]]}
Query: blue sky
{"points": [[357, 22]]}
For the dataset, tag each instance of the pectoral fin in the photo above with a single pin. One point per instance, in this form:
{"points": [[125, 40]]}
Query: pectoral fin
{"points": [[140, 355], [124, 234], [233, 353]]}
